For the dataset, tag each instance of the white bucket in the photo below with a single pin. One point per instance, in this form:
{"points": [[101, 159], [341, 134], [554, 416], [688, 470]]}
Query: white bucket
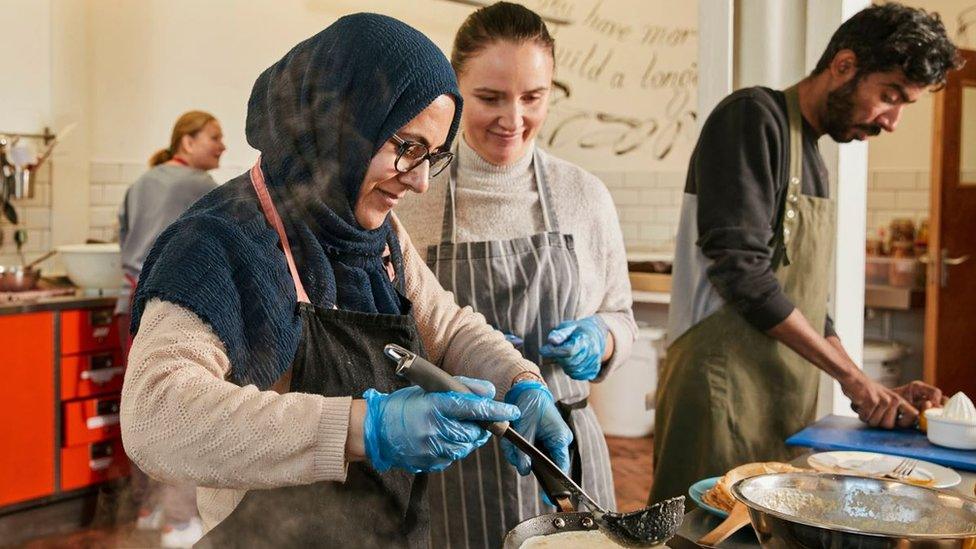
{"points": [[620, 401], [882, 362]]}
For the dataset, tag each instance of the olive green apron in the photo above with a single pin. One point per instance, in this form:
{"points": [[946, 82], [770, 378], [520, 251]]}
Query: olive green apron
{"points": [[730, 394]]}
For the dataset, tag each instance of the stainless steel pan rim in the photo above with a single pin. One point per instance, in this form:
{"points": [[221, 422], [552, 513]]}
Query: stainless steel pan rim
{"points": [[737, 492], [549, 524]]}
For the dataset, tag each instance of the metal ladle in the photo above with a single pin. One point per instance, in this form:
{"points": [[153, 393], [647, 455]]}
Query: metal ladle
{"points": [[643, 528]]}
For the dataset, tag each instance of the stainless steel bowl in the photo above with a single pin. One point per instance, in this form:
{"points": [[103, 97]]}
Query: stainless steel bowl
{"points": [[811, 510], [18, 279]]}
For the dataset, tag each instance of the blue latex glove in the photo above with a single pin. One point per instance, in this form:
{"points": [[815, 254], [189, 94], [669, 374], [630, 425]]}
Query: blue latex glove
{"points": [[540, 424], [578, 347], [420, 432]]}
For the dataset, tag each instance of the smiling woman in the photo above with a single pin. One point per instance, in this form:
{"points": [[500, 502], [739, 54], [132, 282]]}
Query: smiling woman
{"points": [[257, 370], [532, 242], [392, 172]]}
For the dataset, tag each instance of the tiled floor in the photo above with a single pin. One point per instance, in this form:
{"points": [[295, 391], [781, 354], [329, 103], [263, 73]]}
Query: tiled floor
{"points": [[630, 457], [633, 465]]}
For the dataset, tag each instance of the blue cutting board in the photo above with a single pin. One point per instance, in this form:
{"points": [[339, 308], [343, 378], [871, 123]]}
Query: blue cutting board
{"points": [[848, 433]]}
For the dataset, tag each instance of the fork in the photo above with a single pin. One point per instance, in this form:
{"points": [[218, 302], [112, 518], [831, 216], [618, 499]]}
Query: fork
{"points": [[904, 469]]}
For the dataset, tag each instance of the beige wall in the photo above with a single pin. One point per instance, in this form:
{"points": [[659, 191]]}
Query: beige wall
{"points": [[899, 163]]}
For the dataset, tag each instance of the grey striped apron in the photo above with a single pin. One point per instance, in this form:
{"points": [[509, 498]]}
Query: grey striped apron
{"points": [[525, 286]]}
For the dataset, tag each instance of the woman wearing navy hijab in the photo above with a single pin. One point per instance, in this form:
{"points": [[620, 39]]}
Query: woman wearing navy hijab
{"points": [[257, 371]]}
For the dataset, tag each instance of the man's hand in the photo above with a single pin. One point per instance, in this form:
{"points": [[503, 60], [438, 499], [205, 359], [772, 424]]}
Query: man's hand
{"points": [[922, 395], [877, 405]]}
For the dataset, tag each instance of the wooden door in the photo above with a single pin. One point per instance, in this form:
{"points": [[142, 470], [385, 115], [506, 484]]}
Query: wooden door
{"points": [[950, 312]]}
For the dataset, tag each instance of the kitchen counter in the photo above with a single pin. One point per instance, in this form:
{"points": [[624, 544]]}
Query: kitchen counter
{"points": [[699, 522], [79, 300]]}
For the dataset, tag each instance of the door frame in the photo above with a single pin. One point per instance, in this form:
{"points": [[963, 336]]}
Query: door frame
{"points": [[946, 160]]}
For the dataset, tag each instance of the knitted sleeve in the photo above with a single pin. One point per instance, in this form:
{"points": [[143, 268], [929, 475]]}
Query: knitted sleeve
{"points": [[183, 422], [616, 302], [457, 338]]}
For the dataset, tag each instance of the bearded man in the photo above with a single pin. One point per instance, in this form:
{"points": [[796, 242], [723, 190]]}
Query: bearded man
{"points": [[748, 327]]}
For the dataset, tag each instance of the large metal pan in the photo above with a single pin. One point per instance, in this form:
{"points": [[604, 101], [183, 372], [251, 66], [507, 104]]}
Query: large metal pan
{"points": [[816, 510], [544, 525]]}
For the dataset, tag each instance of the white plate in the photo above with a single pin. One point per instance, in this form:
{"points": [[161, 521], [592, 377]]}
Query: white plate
{"points": [[871, 464]]}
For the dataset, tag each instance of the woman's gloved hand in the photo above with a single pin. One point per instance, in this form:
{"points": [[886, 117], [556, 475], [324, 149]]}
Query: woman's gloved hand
{"points": [[578, 347], [420, 432], [540, 424]]}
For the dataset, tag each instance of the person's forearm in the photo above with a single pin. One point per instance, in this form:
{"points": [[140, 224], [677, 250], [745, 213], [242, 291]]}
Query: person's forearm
{"points": [[836, 344], [356, 442], [608, 350], [797, 334]]}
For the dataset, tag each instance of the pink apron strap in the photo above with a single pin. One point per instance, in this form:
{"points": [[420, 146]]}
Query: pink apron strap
{"points": [[271, 214]]}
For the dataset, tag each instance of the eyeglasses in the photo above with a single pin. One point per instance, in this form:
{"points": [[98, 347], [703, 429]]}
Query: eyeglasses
{"points": [[411, 154]]}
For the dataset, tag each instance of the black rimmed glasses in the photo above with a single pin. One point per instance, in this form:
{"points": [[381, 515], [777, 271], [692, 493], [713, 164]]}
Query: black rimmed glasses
{"points": [[411, 154]]}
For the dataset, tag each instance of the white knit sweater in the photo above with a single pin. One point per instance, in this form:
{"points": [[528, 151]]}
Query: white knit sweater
{"points": [[502, 203], [182, 421]]}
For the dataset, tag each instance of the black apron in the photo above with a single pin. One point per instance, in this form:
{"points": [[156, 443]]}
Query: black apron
{"points": [[340, 354]]}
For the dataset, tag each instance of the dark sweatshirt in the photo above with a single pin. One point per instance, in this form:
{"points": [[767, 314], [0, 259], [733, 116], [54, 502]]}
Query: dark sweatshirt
{"points": [[733, 198]]}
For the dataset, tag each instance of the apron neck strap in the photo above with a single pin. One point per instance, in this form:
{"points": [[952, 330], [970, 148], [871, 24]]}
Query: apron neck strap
{"points": [[788, 218], [271, 215], [449, 225]]}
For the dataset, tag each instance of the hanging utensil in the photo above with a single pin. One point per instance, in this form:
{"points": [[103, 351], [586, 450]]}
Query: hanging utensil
{"points": [[50, 146], [644, 528], [40, 259], [21, 156], [20, 238], [9, 212], [7, 182]]}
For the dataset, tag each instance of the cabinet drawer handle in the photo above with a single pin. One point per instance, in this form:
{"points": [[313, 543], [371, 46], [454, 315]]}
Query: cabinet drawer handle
{"points": [[97, 422], [100, 464], [101, 376]]}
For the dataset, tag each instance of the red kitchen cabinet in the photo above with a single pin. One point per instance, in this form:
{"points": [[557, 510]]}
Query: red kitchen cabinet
{"points": [[86, 330], [27, 406], [91, 374], [91, 420], [92, 463]]}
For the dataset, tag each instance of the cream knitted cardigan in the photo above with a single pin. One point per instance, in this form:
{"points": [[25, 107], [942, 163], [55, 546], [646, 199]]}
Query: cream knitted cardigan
{"points": [[182, 421]]}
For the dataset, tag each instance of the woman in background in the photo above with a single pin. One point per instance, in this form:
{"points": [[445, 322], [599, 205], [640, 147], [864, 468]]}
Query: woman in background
{"points": [[177, 178], [533, 243]]}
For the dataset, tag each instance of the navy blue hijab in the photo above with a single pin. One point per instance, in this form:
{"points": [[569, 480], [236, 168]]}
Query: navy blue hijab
{"points": [[317, 116]]}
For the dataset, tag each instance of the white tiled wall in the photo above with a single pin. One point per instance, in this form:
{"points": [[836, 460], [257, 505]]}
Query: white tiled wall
{"points": [[896, 194], [647, 202], [648, 205], [110, 180], [107, 189], [34, 216]]}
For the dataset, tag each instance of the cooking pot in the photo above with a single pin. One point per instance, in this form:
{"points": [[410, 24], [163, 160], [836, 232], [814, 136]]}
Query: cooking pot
{"points": [[816, 510], [15, 278]]}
